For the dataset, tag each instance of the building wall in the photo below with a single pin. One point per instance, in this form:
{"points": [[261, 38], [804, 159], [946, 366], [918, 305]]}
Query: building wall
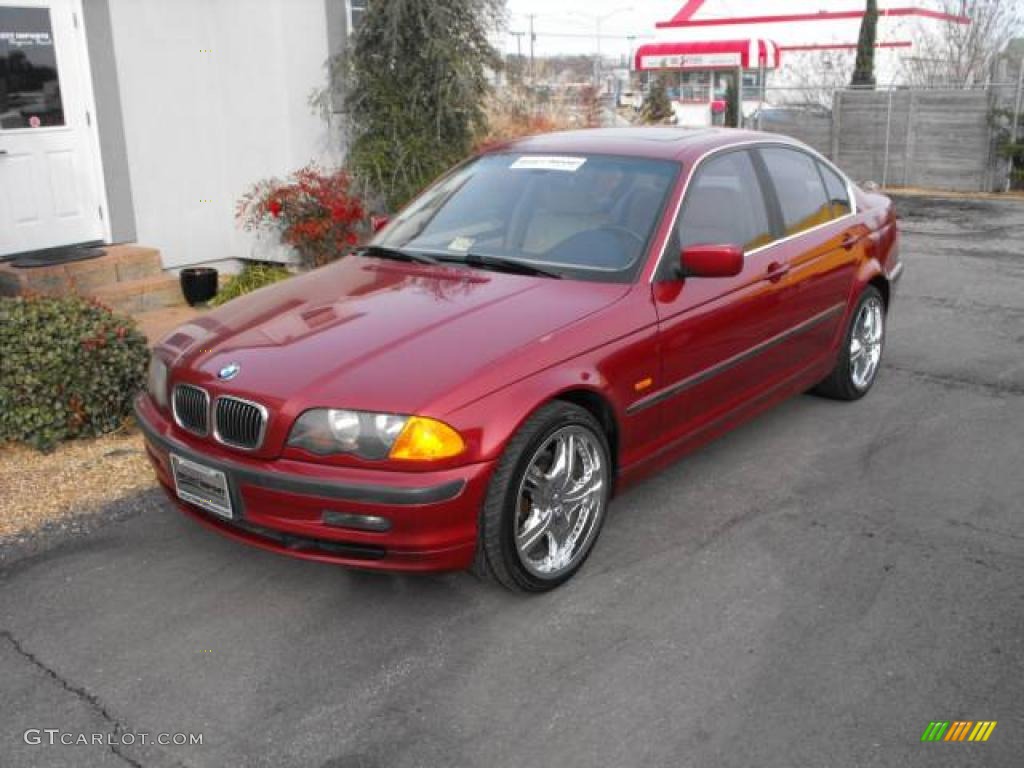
{"points": [[214, 95], [109, 119]]}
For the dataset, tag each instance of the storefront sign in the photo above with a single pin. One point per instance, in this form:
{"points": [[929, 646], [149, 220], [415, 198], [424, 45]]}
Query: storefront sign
{"points": [[691, 61]]}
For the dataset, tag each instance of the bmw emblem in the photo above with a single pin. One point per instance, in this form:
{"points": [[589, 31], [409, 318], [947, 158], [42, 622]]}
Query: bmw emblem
{"points": [[229, 371]]}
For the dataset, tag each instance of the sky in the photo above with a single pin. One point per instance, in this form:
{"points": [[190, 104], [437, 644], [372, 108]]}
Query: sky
{"points": [[557, 20], [577, 17]]}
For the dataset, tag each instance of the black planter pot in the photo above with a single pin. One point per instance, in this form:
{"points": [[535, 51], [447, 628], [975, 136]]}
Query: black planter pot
{"points": [[198, 284]]}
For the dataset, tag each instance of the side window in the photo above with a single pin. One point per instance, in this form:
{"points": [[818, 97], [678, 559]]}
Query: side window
{"points": [[724, 205], [798, 186], [838, 194]]}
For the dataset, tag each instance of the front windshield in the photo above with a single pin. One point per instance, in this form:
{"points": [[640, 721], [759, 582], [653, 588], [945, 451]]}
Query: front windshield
{"points": [[583, 216]]}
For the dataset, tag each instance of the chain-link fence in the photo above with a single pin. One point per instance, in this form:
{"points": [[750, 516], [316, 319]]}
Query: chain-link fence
{"points": [[940, 138]]}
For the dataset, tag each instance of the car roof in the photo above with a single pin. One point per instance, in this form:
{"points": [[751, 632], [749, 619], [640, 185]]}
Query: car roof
{"points": [[658, 142]]}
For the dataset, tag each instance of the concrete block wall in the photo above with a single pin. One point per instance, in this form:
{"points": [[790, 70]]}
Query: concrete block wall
{"points": [[939, 139]]}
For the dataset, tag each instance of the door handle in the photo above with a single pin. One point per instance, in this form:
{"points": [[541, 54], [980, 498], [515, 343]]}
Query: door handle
{"points": [[776, 271], [3, 151], [849, 241]]}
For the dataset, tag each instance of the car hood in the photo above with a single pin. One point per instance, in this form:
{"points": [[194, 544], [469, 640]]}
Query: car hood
{"points": [[377, 335]]}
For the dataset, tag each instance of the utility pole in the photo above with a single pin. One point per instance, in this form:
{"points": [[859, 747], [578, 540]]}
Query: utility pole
{"points": [[1016, 105], [1016, 118], [519, 53], [533, 39]]}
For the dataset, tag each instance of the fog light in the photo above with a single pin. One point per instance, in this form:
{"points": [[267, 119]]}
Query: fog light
{"points": [[374, 523]]}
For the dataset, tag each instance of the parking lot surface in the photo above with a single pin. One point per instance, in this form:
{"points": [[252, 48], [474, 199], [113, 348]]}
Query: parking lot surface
{"points": [[811, 590]]}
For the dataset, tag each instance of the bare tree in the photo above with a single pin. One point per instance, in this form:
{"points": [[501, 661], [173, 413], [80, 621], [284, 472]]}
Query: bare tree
{"points": [[956, 54], [813, 79]]}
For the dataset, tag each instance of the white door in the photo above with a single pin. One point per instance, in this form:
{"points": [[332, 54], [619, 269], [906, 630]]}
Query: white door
{"points": [[50, 184]]}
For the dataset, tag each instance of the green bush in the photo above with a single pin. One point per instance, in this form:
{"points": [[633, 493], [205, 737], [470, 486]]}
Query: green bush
{"points": [[69, 368], [657, 108], [251, 277]]}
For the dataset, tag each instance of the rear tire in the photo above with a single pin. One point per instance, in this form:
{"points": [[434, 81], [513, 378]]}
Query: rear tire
{"points": [[546, 502], [861, 353]]}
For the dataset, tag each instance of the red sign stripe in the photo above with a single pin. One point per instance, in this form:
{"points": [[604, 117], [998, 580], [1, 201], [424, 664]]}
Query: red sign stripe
{"points": [[683, 20]]}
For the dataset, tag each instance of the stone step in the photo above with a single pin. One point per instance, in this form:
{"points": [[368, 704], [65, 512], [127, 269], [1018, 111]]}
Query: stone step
{"points": [[157, 323], [141, 295], [120, 263]]}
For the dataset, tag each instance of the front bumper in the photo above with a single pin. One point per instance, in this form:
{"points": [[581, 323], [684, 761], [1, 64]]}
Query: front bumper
{"points": [[305, 510]]}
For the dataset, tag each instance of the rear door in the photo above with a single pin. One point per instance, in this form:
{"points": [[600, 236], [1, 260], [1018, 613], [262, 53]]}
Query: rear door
{"points": [[819, 245]]}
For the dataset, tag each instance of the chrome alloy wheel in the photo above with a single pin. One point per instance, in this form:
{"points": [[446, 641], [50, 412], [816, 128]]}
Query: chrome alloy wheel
{"points": [[560, 502], [866, 343]]}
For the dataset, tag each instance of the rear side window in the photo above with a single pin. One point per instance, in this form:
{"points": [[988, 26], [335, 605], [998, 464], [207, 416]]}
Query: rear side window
{"points": [[724, 205], [838, 194], [799, 188]]}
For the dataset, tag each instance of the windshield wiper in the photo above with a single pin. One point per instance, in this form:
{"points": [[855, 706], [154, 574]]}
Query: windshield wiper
{"points": [[383, 252], [502, 264]]}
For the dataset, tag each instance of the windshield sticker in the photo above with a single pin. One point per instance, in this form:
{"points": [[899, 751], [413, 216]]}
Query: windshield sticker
{"points": [[548, 163], [461, 244]]}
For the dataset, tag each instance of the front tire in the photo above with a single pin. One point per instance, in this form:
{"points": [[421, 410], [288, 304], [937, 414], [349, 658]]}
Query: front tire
{"points": [[547, 501], [861, 353]]}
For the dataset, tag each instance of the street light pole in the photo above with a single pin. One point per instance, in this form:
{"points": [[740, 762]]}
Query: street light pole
{"points": [[599, 19]]}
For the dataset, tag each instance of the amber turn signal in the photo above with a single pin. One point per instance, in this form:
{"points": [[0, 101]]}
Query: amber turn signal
{"points": [[424, 439]]}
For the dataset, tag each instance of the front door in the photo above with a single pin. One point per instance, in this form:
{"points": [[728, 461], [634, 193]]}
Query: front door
{"points": [[722, 339], [49, 166]]}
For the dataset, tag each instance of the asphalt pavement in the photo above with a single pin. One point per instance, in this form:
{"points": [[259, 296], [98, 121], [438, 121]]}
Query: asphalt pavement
{"points": [[811, 590]]}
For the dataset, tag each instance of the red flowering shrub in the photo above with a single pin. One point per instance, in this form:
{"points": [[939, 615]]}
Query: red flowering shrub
{"points": [[314, 211]]}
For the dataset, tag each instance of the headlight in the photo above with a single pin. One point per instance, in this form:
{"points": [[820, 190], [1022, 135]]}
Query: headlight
{"points": [[374, 436], [156, 381]]}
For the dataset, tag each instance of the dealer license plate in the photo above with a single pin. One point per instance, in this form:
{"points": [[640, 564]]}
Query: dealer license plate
{"points": [[203, 486]]}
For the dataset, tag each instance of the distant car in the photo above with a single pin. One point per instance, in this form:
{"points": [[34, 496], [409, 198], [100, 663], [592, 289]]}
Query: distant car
{"points": [[631, 100], [544, 326]]}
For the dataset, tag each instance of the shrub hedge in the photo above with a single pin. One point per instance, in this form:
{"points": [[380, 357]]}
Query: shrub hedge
{"points": [[69, 367], [253, 276]]}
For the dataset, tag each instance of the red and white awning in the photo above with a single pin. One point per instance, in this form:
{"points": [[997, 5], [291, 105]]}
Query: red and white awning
{"points": [[709, 54]]}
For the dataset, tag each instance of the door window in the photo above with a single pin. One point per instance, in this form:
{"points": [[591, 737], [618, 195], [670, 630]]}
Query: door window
{"points": [[838, 194], [29, 86], [358, 11], [724, 205], [694, 86], [799, 188]]}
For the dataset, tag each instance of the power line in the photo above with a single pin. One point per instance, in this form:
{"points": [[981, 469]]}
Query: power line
{"points": [[588, 37]]}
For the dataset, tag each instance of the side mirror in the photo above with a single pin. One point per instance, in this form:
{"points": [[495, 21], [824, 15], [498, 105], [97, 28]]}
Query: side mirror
{"points": [[377, 223], [711, 261]]}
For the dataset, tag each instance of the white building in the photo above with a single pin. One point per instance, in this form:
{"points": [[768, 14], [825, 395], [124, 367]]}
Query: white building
{"points": [[144, 120], [783, 51]]}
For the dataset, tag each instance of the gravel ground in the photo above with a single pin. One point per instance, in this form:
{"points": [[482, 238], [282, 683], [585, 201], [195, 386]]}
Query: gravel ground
{"points": [[48, 492], [810, 590]]}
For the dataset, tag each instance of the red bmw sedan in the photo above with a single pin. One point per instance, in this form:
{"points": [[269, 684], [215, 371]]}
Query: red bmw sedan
{"points": [[545, 325]]}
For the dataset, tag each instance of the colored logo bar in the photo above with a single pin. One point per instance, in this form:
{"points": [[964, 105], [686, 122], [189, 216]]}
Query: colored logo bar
{"points": [[958, 730]]}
